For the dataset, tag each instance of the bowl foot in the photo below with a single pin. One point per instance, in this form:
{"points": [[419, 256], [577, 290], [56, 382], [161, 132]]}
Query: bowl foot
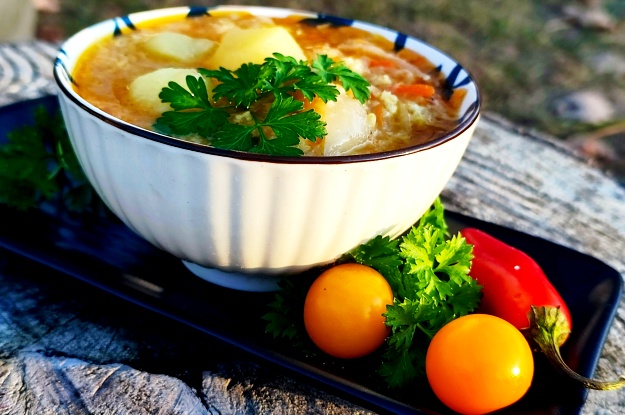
{"points": [[235, 280]]}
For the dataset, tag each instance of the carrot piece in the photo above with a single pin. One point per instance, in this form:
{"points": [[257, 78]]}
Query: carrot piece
{"points": [[457, 97], [414, 90], [378, 110], [382, 63]]}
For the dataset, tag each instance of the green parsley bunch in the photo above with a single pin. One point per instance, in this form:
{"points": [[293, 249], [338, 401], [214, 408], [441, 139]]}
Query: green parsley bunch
{"points": [[429, 274], [428, 271], [38, 164], [260, 114]]}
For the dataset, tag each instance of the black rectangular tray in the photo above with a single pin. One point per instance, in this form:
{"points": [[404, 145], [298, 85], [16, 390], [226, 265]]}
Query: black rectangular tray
{"points": [[104, 253]]}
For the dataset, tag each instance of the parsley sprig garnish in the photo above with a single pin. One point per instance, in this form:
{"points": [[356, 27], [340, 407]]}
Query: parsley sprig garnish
{"points": [[254, 108], [429, 274], [193, 112], [330, 71], [38, 164], [428, 271]]}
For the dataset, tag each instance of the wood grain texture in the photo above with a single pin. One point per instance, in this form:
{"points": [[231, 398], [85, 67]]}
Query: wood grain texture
{"points": [[68, 349], [26, 70], [39, 384], [245, 388]]}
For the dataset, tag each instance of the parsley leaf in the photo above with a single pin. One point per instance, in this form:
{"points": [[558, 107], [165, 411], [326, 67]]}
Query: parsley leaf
{"points": [[181, 99], [437, 289], [278, 75], [193, 110], [25, 176], [289, 76], [276, 121], [286, 301], [38, 164], [435, 216], [284, 119], [429, 274], [330, 71], [285, 317], [403, 357], [240, 87], [382, 254]]}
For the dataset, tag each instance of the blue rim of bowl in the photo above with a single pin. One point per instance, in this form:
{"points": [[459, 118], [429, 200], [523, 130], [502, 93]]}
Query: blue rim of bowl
{"points": [[467, 119]]}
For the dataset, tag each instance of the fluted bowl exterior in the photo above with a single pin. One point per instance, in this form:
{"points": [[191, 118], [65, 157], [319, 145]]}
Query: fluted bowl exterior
{"points": [[247, 213]]}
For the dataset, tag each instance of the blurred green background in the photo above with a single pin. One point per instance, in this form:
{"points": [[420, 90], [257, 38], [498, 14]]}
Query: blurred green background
{"points": [[556, 66]]}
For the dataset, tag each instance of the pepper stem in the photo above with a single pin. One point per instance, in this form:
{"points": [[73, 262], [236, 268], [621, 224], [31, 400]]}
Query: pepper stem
{"points": [[549, 329]]}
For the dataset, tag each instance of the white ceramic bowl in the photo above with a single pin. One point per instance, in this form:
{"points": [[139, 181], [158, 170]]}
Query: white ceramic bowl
{"points": [[244, 220]]}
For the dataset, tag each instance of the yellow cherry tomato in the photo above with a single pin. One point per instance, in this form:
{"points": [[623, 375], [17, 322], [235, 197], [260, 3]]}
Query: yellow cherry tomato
{"points": [[479, 363], [343, 310]]}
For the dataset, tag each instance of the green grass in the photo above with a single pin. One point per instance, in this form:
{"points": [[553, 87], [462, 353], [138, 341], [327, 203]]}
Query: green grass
{"points": [[520, 52]]}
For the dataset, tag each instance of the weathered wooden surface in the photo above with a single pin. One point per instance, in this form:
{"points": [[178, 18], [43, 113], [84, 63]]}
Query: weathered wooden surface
{"points": [[70, 350], [26, 70]]}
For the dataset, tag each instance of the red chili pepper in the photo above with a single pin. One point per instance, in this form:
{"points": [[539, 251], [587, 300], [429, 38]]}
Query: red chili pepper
{"points": [[512, 281], [515, 288]]}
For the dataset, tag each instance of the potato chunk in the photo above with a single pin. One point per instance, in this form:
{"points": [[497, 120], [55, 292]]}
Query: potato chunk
{"points": [[240, 46], [178, 47], [144, 90], [348, 126]]}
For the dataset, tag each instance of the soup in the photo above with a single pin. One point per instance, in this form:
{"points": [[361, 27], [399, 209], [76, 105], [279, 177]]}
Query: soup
{"points": [[407, 100]]}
